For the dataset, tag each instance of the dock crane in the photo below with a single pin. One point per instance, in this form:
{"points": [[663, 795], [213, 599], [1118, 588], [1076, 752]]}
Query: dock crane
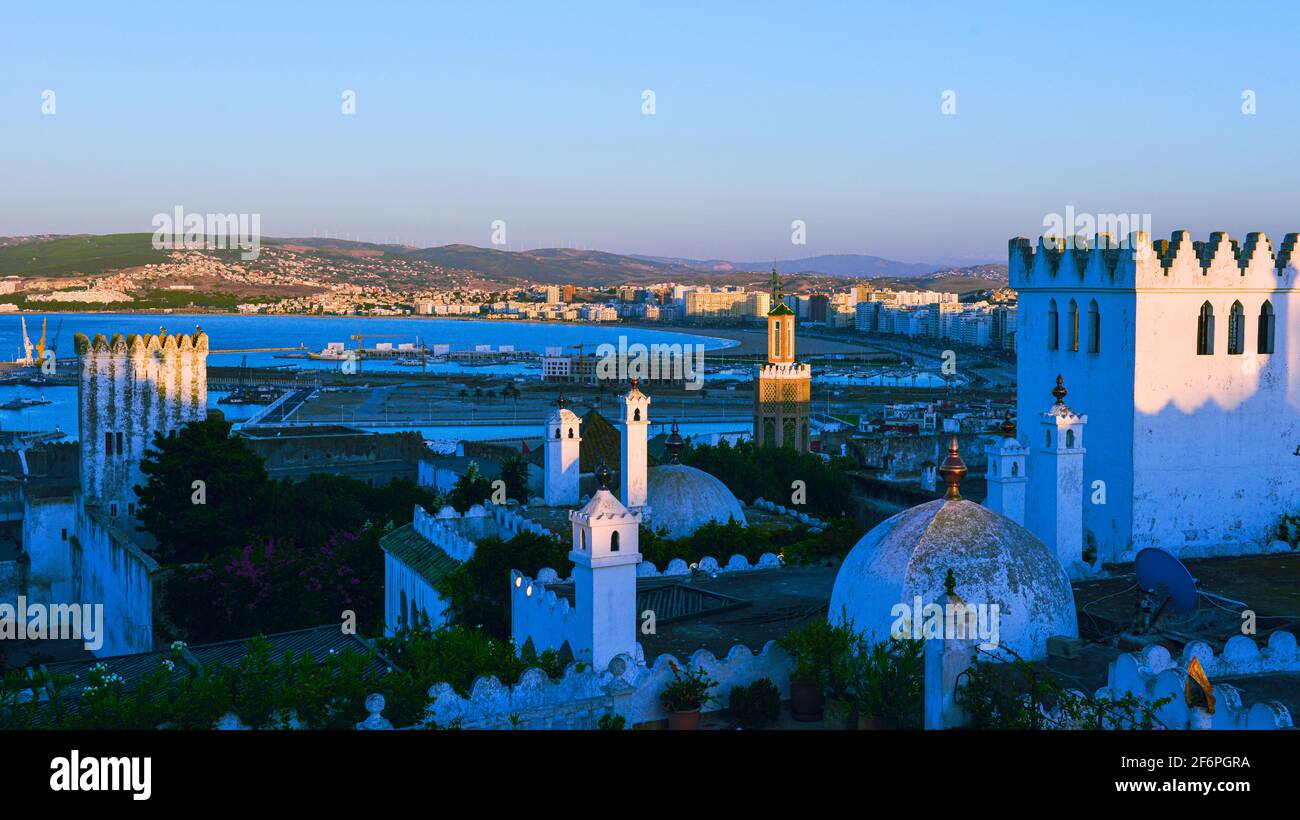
{"points": [[360, 338]]}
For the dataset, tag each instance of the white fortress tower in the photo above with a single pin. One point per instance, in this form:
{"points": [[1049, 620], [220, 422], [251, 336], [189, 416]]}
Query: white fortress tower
{"points": [[1055, 512], [129, 389], [605, 554], [561, 457], [1187, 355], [636, 421], [1006, 475]]}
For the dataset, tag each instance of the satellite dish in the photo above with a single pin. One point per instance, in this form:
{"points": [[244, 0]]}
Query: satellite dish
{"points": [[1162, 575]]}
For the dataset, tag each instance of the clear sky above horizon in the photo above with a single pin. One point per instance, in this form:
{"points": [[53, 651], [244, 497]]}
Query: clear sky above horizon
{"points": [[765, 113]]}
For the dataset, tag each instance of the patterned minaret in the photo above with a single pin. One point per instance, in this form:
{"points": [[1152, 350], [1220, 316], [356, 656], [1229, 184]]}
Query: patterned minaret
{"points": [[636, 420], [560, 481], [130, 388], [783, 389]]}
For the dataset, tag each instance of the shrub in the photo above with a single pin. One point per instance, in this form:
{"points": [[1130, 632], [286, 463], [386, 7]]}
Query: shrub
{"points": [[755, 705]]}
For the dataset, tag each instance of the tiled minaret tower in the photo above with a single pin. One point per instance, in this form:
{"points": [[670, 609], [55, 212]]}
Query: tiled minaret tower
{"points": [[783, 389], [128, 389]]}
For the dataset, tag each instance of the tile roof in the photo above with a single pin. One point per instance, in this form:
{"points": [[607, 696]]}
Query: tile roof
{"points": [[419, 553]]}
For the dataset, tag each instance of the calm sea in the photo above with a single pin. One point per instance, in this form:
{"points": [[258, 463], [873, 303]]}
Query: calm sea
{"points": [[240, 332]]}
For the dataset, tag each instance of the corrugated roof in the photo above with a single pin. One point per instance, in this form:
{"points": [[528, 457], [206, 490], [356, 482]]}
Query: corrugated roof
{"points": [[424, 557]]}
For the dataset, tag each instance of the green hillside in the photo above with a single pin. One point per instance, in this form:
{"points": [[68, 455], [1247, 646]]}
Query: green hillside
{"points": [[79, 255]]}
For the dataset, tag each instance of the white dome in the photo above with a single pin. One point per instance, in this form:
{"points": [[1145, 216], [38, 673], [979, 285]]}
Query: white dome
{"points": [[682, 499], [994, 561]]}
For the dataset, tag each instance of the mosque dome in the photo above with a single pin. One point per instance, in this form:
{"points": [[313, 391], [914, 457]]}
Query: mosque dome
{"points": [[993, 559], [682, 499]]}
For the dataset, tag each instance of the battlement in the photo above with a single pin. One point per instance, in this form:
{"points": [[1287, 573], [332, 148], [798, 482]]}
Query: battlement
{"points": [[139, 344], [1138, 262]]}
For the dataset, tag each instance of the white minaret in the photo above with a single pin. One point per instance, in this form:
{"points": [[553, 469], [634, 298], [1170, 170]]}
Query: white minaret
{"points": [[605, 554], [561, 457], [1055, 511], [1006, 475], [636, 421]]}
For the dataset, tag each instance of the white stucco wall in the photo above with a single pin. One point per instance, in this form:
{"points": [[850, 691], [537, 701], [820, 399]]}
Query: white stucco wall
{"points": [[1194, 451]]}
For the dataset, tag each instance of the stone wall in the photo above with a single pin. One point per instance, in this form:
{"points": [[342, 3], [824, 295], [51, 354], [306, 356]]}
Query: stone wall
{"points": [[113, 571]]}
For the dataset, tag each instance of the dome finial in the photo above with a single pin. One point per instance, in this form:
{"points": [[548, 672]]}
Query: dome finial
{"points": [[559, 401], [953, 470], [602, 475], [1008, 425], [1059, 391], [674, 444]]}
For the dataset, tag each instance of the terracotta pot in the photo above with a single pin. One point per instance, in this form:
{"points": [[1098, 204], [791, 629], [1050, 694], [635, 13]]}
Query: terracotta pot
{"points": [[870, 722], [686, 721], [806, 701], [838, 714]]}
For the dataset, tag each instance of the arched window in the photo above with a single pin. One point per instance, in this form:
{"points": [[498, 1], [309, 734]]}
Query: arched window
{"points": [[1094, 327], [1049, 439], [1015, 469], [570, 432], [1236, 330], [1069, 439], [1205, 331], [613, 542], [1265, 342], [636, 414], [582, 540], [1053, 326], [776, 342], [1073, 327], [401, 612], [557, 432]]}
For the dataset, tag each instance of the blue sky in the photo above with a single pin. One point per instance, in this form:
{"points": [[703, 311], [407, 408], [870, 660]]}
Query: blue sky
{"points": [[765, 113]]}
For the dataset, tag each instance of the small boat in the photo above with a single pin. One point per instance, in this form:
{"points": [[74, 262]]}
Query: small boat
{"points": [[21, 403]]}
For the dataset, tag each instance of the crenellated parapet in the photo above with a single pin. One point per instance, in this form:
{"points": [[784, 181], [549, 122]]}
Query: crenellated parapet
{"points": [[537, 614], [1153, 674], [1137, 262], [139, 344]]}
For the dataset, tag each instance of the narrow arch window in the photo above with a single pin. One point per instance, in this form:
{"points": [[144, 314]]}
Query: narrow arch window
{"points": [[1205, 331], [1015, 468], [1049, 439], [613, 542], [582, 541], [1236, 330], [776, 341], [1265, 342], [401, 612], [570, 432], [1053, 326], [557, 432], [1069, 439], [1073, 328], [1094, 327], [636, 414]]}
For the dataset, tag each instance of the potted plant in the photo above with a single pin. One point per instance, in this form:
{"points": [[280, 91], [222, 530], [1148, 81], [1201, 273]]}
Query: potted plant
{"points": [[812, 648], [684, 695], [755, 705], [886, 682]]}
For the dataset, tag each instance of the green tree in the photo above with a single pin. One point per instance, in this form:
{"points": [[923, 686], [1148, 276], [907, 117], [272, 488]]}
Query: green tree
{"points": [[204, 491], [514, 472], [478, 591], [470, 489]]}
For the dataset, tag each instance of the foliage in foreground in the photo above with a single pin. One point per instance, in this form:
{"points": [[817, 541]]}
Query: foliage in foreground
{"points": [[263, 691]]}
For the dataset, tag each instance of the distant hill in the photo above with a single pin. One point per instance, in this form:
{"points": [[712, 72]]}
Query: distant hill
{"points": [[67, 256], [853, 265], [77, 255]]}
